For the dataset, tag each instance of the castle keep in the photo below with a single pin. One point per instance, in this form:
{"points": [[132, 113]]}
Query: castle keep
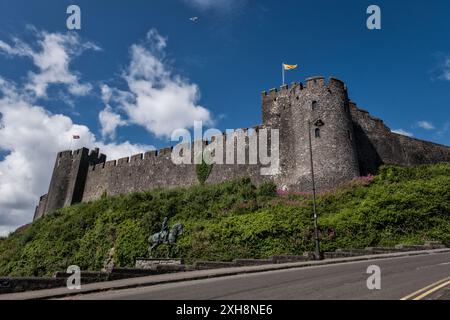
{"points": [[347, 142]]}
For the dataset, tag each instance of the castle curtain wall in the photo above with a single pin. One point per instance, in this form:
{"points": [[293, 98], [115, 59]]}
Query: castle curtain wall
{"points": [[377, 145], [154, 169]]}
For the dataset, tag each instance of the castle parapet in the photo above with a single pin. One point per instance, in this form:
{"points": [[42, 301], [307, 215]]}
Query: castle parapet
{"points": [[111, 163], [123, 161], [296, 87], [150, 154], [314, 82], [165, 151], [136, 158]]}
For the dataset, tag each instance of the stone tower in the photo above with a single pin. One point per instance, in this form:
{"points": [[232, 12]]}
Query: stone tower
{"points": [[68, 179], [322, 108]]}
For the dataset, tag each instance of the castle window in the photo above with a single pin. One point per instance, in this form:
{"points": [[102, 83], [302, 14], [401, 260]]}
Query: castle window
{"points": [[349, 135], [317, 133], [314, 105]]}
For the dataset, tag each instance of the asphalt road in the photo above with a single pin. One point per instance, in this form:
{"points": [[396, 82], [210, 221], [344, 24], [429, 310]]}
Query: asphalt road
{"points": [[399, 278]]}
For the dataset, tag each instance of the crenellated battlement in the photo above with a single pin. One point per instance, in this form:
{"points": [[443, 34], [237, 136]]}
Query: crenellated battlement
{"points": [[149, 156], [74, 153], [311, 83], [94, 155], [362, 115], [165, 153]]}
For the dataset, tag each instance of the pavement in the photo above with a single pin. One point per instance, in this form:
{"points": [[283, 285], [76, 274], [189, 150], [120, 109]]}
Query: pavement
{"points": [[336, 279]]}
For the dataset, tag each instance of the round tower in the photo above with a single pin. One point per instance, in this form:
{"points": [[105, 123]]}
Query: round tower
{"points": [[318, 110]]}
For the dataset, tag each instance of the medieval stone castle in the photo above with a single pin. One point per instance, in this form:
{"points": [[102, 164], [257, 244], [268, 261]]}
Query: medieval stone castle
{"points": [[346, 142]]}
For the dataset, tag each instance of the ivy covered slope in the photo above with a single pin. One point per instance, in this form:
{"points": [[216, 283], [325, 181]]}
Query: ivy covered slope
{"points": [[235, 219]]}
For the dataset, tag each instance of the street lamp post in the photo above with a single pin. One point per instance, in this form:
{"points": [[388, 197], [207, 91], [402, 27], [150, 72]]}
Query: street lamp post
{"points": [[317, 254]]}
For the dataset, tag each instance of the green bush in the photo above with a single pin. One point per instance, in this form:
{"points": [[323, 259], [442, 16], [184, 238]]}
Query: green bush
{"points": [[267, 189], [131, 243], [203, 171], [236, 220]]}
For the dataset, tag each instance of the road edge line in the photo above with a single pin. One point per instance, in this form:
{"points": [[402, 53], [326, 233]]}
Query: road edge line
{"points": [[409, 296], [425, 294]]}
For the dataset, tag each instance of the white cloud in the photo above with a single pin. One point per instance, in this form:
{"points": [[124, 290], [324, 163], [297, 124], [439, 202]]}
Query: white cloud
{"points": [[446, 69], [441, 71], [403, 132], [106, 94], [212, 4], [109, 122], [19, 49], [445, 128], [31, 143], [119, 150], [156, 40], [157, 99], [52, 58], [426, 125]]}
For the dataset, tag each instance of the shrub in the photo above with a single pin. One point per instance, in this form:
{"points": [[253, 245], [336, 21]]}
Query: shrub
{"points": [[267, 189], [236, 220], [131, 243], [203, 171]]}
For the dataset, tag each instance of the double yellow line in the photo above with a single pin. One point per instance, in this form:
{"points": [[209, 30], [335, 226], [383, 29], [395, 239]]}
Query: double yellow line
{"points": [[425, 292]]}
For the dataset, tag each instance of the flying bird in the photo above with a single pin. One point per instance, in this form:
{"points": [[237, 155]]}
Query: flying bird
{"points": [[194, 19]]}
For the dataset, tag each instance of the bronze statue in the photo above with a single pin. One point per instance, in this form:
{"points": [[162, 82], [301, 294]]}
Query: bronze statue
{"points": [[165, 236], [165, 230]]}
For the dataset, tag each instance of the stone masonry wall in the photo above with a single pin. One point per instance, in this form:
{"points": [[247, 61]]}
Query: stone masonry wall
{"points": [[377, 145], [40, 209], [155, 169]]}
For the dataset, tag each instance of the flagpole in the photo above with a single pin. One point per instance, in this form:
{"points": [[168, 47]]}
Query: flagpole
{"points": [[282, 71]]}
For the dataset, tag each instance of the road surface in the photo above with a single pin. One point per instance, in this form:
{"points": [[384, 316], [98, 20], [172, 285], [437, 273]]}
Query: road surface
{"points": [[400, 277]]}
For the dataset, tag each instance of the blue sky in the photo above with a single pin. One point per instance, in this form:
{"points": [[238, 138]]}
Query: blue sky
{"points": [[218, 66], [233, 54]]}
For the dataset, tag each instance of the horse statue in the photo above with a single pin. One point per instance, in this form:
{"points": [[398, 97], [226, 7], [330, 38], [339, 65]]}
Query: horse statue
{"points": [[165, 236]]}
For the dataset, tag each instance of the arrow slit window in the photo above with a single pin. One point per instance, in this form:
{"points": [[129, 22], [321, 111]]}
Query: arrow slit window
{"points": [[317, 133]]}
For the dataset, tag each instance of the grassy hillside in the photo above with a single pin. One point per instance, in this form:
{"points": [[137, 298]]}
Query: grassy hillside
{"points": [[235, 219]]}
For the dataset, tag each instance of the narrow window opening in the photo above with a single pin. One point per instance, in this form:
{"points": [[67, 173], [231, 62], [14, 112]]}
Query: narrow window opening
{"points": [[314, 105], [349, 135], [317, 133]]}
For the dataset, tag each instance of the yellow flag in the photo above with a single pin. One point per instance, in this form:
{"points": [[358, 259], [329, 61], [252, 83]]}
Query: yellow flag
{"points": [[290, 66]]}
